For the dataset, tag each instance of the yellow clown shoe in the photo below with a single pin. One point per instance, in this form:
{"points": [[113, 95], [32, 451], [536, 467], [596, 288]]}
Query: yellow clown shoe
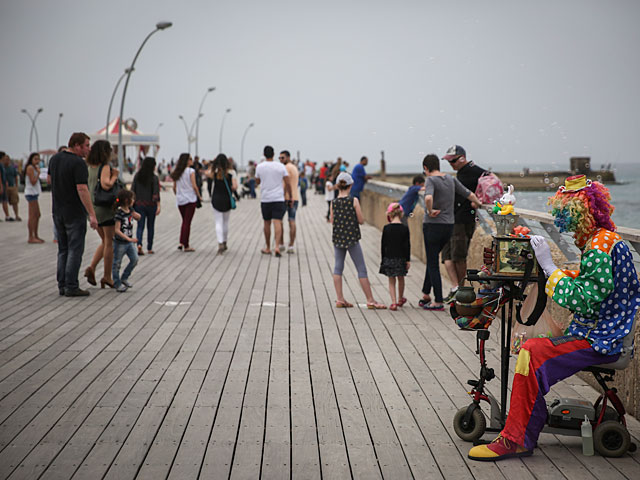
{"points": [[499, 449]]}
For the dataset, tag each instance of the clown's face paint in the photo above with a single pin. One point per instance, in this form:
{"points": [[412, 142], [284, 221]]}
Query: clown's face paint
{"points": [[563, 221]]}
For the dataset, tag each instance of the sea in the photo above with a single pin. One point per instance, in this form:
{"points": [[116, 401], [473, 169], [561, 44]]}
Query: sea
{"points": [[625, 194]]}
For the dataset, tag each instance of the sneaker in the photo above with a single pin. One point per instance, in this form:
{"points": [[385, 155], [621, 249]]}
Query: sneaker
{"points": [[121, 288], [452, 295], [126, 283], [499, 449], [77, 292], [290, 250]]}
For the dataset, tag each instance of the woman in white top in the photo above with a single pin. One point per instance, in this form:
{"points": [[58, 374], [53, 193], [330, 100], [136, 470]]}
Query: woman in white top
{"points": [[32, 191], [187, 196]]}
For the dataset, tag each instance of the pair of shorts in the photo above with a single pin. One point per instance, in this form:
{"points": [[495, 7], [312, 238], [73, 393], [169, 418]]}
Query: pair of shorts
{"points": [[457, 247], [291, 211], [272, 210], [31, 198], [108, 223], [12, 195]]}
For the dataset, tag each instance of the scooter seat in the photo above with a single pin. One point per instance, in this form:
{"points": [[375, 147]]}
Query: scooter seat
{"points": [[608, 368]]}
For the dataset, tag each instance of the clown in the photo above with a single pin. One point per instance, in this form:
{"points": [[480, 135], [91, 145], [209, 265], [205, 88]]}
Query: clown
{"points": [[604, 296]]}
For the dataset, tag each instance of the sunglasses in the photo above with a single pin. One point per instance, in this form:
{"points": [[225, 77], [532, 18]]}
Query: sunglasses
{"points": [[280, 158], [454, 160]]}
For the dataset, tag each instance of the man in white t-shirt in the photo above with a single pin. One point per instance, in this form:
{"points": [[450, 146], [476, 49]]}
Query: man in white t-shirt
{"points": [[270, 176], [292, 179]]}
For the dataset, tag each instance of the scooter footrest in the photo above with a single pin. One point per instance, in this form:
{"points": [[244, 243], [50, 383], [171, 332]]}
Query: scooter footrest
{"points": [[473, 383]]}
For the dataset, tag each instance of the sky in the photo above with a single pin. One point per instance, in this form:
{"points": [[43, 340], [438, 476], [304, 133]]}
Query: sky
{"points": [[516, 83]]}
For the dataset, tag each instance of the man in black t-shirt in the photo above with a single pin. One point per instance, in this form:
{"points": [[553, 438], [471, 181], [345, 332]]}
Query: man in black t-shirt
{"points": [[71, 204], [454, 254]]}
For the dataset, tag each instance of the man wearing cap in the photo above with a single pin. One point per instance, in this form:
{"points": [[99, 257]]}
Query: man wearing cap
{"points": [[454, 253]]}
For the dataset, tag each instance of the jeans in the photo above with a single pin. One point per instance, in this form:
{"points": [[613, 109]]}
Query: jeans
{"points": [[120, 249], [436, 235], [252, 187], [222, 224], [186, 211], [148, 213], [71, 233]]}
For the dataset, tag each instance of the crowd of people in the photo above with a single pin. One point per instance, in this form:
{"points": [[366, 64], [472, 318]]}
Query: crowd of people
{"points": [[80, 170]]}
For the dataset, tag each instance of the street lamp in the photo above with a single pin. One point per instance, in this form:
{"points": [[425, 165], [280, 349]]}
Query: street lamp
{"points": [[158, 127], [221, 128], [58, 130], [159, 26], [242, 145], [189, 131], [113, 95], [33, 128], [210, 89]]}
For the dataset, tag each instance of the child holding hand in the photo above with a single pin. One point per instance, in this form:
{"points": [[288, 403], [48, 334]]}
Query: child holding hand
{"points": [[396, 253], [124, 243]]}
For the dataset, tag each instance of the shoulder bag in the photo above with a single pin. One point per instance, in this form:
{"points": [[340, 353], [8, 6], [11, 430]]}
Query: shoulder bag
{"points": [[233, 200], [102, 197]]}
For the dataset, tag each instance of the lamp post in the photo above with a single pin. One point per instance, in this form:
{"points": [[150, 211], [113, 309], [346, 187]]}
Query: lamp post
{"points": [[210, 89], [186, 131], [159, 26], [242, 145], [113, 95], [158, 127], [221, 128], [58, 130], [189, 131], [33, 128]]}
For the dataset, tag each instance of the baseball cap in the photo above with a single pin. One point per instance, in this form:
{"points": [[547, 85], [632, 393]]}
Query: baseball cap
{"points": [[346, 177], [454, 151]]}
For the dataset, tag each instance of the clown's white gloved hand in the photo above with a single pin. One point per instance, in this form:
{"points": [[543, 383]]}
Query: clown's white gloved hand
{"points": [[543, 254]]}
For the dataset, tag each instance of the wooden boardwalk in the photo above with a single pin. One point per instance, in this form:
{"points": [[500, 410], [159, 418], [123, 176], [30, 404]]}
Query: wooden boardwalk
{"points": [[238, 366]]}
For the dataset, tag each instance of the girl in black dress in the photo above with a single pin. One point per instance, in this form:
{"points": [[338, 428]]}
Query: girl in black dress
{"points": [[396, 253]]}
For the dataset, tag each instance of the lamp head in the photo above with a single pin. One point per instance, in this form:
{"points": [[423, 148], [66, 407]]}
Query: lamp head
{"points": [[40, 110], [251, 124], [24, 110], [129, 70], [201, 115], [211, 89], [228, 110], [163, 25], [60, 115], [180, 117]]}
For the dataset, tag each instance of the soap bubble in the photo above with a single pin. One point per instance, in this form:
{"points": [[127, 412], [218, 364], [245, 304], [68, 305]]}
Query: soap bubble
{"points": [[556, 179], [546, 179], [599, 178], [522, 174]]}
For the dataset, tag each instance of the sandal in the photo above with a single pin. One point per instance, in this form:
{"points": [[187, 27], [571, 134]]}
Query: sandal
{"points": [[189, 249], [402, 301], [376, 306], [423, 302], [278, 254], [180, 247], [434, 308], [265, 251], [344, 304], [393, 306]]}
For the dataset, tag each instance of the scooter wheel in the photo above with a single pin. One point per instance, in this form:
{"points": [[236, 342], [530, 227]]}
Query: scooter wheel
{"points": [[611, 439], [474, 429]]}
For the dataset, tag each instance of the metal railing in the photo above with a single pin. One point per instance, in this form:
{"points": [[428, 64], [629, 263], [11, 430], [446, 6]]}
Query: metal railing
{"points": [[540, 223]]}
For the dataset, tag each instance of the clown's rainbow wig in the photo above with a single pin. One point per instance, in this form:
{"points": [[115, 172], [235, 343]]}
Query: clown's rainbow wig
{"points": [[583, 211]]}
